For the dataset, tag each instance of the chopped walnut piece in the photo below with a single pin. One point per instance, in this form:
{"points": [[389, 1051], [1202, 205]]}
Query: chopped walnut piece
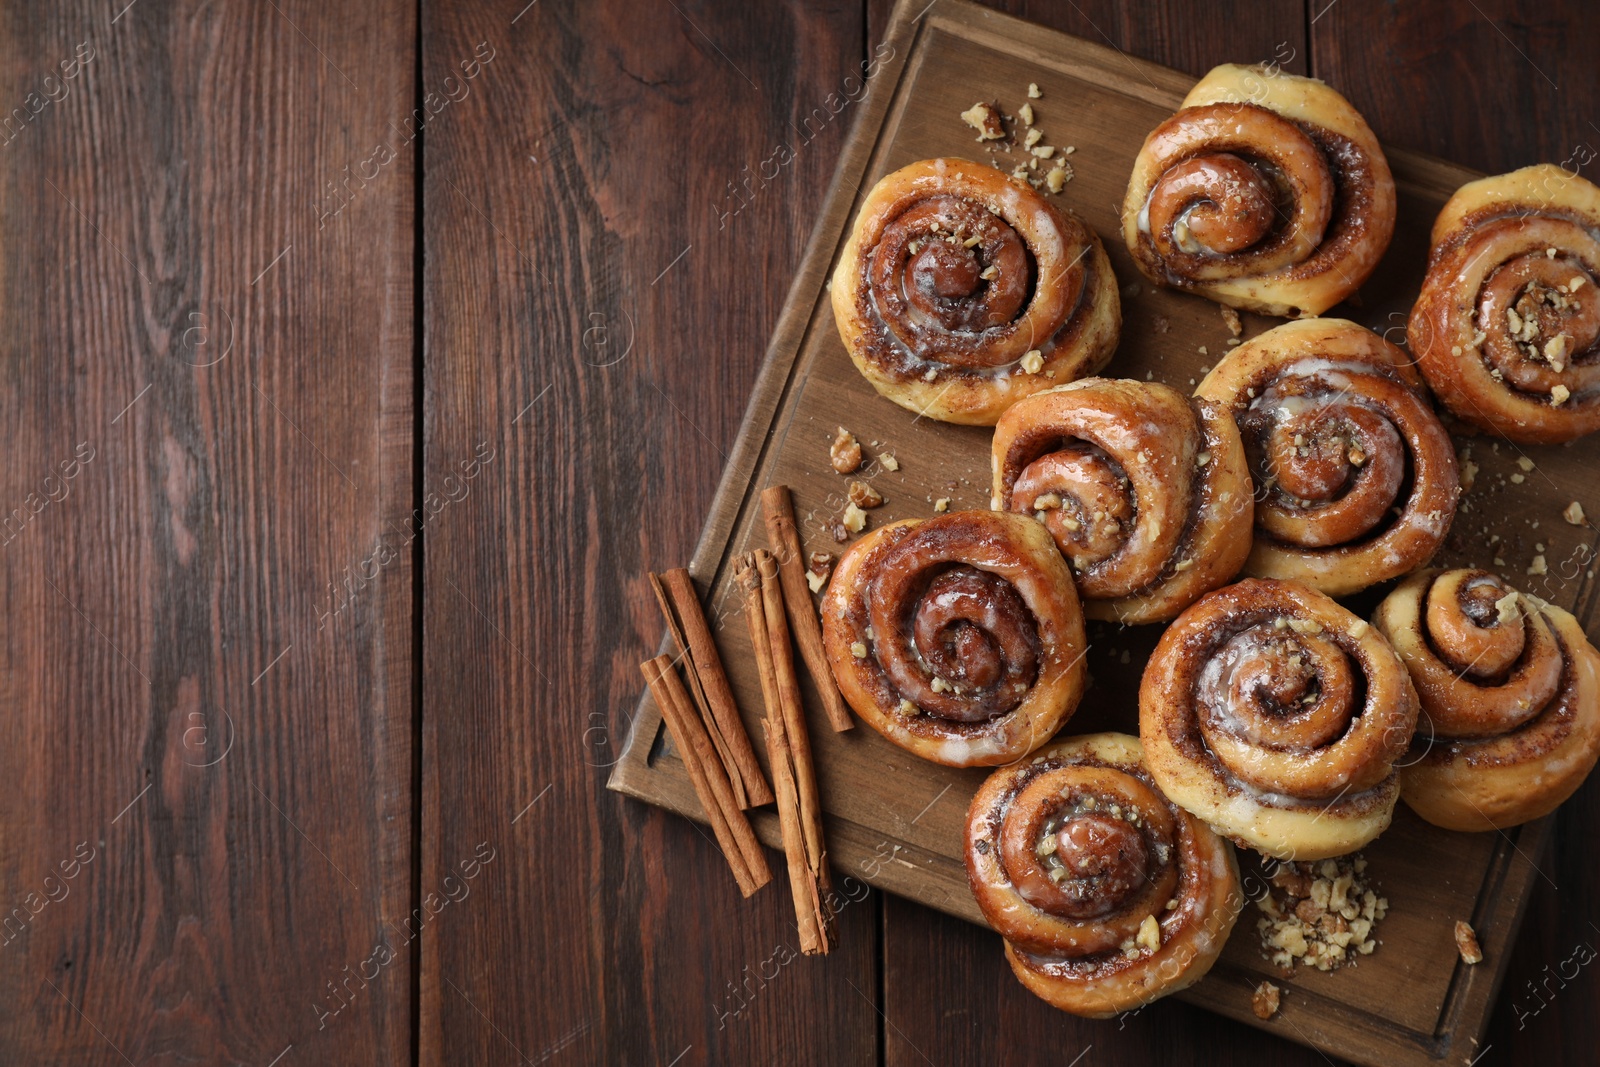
{"points": [[1032, 361], [819, 567], [1559, 395], [1231, 318], [1033, 91], [854, 519], [1467, 943], [1469, 470], [845, 454], [942, 505], [888, 461], [1058, 177], [839, 533], [1025, 113], [1574, 514], [985, 118], [1265, 1000], [862, 495]]}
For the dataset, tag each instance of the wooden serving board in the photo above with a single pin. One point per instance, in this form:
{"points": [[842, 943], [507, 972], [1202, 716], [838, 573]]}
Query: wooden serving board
{"points": [[894, 820]]}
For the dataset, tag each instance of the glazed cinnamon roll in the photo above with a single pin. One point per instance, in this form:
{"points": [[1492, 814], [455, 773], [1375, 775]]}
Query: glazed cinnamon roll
{"points": [[959, 638], [1277, 716], [1267, 191], [1355, 476], [1146, 493], [1108, 894], [1510, 693], [960, 291], [1507, 329]]}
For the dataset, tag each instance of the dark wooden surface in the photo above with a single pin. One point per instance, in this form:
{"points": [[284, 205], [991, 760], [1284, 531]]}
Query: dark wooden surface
{"points": [[594, 300]]}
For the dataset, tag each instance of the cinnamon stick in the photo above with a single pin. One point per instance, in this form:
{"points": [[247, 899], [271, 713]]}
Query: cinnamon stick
{"points": [[729, 824], [724, 755], [794, 719], [709, 683], [810, 914], [783, 537]]}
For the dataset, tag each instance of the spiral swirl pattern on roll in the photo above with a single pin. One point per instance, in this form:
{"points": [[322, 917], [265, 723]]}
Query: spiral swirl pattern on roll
{"points": [[1356, 478], [1146, 493], [1107, 894], [960, 291], [1277, 716], [959, 638], [1507, 329], [1510, 693], [1266, 191]]}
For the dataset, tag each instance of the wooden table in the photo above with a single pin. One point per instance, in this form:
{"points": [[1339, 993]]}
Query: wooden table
{"points": [[359, 361]]}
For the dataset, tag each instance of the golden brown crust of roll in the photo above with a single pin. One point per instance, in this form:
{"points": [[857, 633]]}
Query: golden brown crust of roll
{"points": [[959, 638], [1108, 895], [1510, 694], [1277, 717], [959, 292], [1145, 492], [1266, 191], [1339, 434], [1507, 327]]}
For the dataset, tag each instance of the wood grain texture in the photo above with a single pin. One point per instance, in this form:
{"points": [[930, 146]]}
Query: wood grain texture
{"points": [[608, 241], [207, 377], [1492, 84]]}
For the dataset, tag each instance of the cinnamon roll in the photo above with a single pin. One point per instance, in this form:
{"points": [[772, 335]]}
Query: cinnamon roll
{"points": [[1355, 476], [1146, 493], [1108, 894], [960, 291], [959, 638], [1277, 716], [1510, 693], [1507, 329], [1267, 191]]}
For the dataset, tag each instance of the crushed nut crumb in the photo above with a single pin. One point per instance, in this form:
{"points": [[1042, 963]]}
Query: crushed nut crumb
{"points": [[1321, 915], [1264, 1002], [942, 505], [1231, 318], [1467, 943]]}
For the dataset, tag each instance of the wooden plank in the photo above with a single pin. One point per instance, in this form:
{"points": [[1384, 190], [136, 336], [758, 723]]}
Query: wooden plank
{"points": [[1507, 83], [912, 809], [206, 826], [609, 237]]}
